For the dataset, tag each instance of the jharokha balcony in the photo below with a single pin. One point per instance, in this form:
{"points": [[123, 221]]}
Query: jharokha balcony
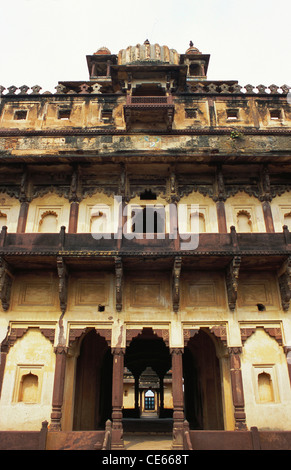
{"points": [[157, 244], [149, 111]]}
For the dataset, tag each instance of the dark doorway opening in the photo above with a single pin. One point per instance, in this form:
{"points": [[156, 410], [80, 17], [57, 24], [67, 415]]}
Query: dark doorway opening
{"points": [[202, 384], [148, 362], [93, 393]]}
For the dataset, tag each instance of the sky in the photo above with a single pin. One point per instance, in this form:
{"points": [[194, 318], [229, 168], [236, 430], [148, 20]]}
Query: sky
{"points": [[43, 42]]}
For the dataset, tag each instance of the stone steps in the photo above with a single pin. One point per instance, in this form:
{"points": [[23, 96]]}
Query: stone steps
{"points": [[148, 441]]}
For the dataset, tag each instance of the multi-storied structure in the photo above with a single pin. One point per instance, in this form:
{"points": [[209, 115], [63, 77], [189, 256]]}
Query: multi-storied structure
{"points": [[145, 252]]}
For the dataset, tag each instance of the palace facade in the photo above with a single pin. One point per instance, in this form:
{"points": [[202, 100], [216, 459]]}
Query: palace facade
{"points": [[145, 254]]}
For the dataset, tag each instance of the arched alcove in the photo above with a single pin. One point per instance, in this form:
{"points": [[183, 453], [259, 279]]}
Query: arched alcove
{"points": [[202, 383], [28, 389], [93, 386], [48, 222]]}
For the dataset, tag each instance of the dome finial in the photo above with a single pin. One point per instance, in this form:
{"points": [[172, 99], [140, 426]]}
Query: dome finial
{"points": [[147, 41], [191, 44]]}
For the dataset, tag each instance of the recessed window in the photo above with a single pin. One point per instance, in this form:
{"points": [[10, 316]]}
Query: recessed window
{"points": [[28, 391], [148, 220], [64, 114], [148, 195], [232, 114], [106, 115], [244, 222], [287, 220], [20, 115], [265, 387], [275, 114], [191, 113]]}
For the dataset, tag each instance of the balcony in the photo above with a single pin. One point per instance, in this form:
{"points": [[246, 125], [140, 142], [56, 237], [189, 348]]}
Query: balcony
{"points": [[147, 112]]}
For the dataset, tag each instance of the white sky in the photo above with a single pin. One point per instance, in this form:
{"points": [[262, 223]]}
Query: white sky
{"points": [[46, 41]]}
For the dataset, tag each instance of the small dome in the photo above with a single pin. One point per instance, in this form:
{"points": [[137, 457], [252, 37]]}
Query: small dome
{"points": [[102, 51], [147, 52], [192, 49]]}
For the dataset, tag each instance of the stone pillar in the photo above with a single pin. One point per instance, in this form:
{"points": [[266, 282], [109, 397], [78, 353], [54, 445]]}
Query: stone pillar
{"points": [[161, 395], [287, 350], [268, 217], [3, 355], [178, 398], [22, 218], [237, 388], [221, 217], [73, 220], [136, 394], [174, 225], [117, 398], [58, 392]]}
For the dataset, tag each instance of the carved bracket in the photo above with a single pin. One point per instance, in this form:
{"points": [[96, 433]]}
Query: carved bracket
{"points": [[284, 278], [6, 278], [63, 283], [176, 283], [119, 282], [232, 281]]}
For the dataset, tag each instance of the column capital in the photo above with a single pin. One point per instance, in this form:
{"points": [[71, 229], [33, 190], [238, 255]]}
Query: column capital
{"points": [[60, 349], [234, 350], [176, 351], [118, 351]]}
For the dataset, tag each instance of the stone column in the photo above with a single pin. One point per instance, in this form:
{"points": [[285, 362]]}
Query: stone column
{"points": [[268, 217], [22, 218], [178, 398], [3, 355], [58, 392], [136, 394], [161, 377], [221, 217], [73, 220], [237, 388], [117, 398], [287, 350]]}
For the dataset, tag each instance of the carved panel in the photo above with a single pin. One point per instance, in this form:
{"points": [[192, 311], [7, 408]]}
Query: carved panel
{"points": [[36, 293], [146, 294], [201, 290], [90, 292], [254, 290]]}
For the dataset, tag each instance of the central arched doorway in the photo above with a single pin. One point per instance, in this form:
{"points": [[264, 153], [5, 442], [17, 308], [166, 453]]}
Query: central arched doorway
{"points": [[202, 383], [147, 384], [93, 388]]}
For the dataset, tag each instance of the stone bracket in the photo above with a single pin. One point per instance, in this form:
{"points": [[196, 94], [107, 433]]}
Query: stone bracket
{"points": [[6, 278], [284, 279], [176, 282], [232, 281], [119, 282], [63, 283]]}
